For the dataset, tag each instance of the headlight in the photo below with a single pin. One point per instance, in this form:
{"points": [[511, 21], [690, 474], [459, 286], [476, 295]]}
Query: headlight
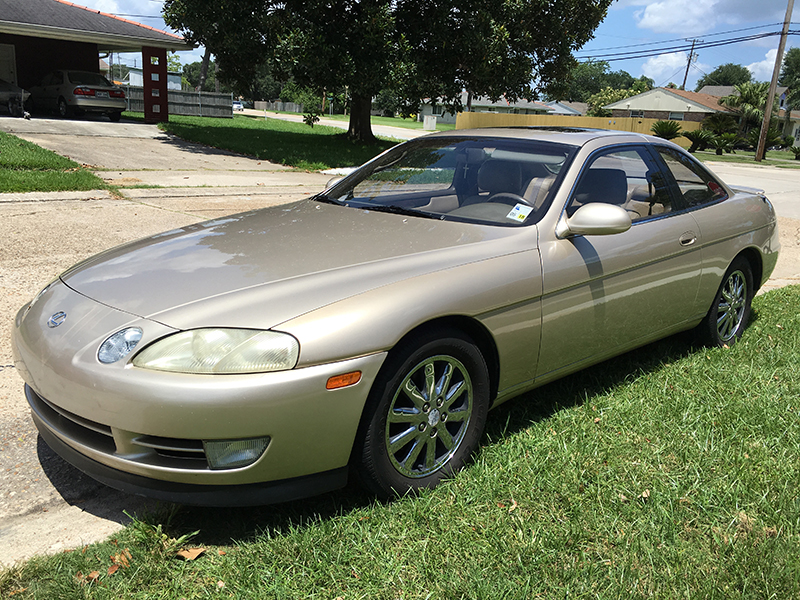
{"points": [[119, 345], [217, 351]]}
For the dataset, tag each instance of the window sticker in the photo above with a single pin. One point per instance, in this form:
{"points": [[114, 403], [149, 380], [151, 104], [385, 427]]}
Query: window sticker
{"points": [[520, 212]]}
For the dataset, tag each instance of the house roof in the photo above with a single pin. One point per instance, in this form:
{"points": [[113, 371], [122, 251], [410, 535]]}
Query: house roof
{"points": [[706, 100], [562, 107], [726, 90], [58, 19]]}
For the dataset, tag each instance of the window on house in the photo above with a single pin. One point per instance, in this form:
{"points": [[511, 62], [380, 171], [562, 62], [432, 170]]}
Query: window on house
{"points": [[636, 114], [676, 116]]}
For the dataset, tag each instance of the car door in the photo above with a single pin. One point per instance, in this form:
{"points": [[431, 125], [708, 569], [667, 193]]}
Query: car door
{"points": [[605, 294]]}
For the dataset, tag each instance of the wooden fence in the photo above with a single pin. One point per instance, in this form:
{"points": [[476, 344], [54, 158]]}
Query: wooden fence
{"points": [[202, 104], [473, 120], [278, 106]]}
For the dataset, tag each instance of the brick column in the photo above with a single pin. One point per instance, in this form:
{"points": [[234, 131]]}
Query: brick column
{"points": [[154, 62]]}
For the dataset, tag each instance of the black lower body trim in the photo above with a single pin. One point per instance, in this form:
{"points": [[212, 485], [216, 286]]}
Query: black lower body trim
{"points": [[251, 494]]}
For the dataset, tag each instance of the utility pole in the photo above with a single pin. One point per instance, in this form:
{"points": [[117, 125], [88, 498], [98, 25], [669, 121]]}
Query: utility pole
{"points": [[689, 64], [762, 139]]}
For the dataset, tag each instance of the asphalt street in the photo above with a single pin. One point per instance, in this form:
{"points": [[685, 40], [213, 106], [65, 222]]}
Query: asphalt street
{"points": [[45, 504]]}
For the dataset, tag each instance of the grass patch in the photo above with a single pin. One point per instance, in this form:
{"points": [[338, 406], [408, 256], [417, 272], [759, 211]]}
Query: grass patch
{"points": [[773, 158], [395, 122], [668, 472], [26, 167], [292, 144]]}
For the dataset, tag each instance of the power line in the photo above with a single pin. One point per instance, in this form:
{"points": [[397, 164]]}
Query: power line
{"points": [[683, 38], [681, 48]]}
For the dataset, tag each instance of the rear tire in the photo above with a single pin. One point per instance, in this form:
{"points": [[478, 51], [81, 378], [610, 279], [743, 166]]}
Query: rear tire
{"points": [[425, 414], [728, 315], [115, 116]]}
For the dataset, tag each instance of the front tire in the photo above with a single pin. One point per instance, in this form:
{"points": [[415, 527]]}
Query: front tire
{"points": [[425, 415], [728, 315]]}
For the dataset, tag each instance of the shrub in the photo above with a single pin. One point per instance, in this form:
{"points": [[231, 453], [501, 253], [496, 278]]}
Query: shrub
{"points": [[700, 139], [796, 151], [666, 129]]}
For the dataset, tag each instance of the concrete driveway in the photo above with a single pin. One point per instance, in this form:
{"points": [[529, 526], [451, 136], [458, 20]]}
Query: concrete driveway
{"points": [[45, 504]]}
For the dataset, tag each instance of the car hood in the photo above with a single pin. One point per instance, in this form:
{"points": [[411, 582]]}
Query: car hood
{"points": [[263, 267]]}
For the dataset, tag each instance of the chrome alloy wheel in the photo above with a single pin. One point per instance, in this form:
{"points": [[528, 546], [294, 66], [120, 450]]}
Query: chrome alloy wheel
{"points": [[732, 305], [428, 416]]}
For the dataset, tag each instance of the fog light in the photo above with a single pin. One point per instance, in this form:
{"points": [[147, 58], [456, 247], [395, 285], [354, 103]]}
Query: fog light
{"points": [[229, 454]]}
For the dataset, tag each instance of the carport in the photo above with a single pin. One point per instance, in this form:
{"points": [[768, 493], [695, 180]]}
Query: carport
{"points": [[39, 36]]}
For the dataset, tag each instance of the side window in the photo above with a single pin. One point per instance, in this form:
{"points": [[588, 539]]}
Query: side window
{"points": [[626, 177], [697, 187]]}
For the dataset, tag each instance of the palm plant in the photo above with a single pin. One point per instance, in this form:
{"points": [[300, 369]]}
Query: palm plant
{"points": [[749, 102], [773, 137], [723, 143], [796, 151], [719, 123], [666, 129], [700, 139]]}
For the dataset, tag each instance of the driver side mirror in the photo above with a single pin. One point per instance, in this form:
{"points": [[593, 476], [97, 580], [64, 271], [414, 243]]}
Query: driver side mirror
{"points": [[595, 218]]}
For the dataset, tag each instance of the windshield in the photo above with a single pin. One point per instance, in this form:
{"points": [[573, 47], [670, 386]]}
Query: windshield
{"points": [[488, 180]]}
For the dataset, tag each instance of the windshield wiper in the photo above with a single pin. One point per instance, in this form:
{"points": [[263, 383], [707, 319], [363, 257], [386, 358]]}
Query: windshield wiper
{"points": [[399, 210]]}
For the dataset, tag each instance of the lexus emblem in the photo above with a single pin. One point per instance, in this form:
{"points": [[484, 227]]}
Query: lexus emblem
{"points": [[57, 319]]}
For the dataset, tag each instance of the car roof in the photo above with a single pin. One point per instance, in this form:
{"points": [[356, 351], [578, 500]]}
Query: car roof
{"points": [[575, 136]]}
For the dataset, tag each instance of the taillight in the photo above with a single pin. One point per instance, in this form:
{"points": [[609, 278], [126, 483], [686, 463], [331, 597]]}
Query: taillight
{"points": [[82, 91], [117, 94]]}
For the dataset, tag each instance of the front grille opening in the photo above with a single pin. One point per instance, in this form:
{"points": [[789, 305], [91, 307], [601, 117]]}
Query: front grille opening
{"points": [[173, 448], [89, 433]]}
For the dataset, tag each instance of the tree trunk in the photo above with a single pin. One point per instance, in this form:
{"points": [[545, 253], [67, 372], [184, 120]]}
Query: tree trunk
{"points": [[360, 126], [204, 70]]}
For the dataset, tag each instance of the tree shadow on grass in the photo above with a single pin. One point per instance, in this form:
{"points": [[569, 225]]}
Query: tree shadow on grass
{"points": [[306, 150], [227, 526]]}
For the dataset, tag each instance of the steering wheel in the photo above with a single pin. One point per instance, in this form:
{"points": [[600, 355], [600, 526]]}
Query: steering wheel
{"points": [[508, 198]]}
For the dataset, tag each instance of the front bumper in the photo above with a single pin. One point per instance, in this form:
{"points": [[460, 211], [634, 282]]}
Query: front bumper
{"points": [[143, 431]]}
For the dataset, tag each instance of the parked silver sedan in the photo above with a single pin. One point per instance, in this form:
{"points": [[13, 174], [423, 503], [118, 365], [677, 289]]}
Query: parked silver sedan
{"points": [[78, 92], [266, 355]]}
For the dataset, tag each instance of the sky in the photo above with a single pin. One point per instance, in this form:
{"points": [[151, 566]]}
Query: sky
{"points": [[631, 26]]}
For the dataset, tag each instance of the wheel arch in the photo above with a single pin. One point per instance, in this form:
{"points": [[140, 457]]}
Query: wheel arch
{"points": [[477, 332], [753, 257]]}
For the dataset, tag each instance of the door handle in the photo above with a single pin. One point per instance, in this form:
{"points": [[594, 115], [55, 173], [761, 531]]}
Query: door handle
{"points": [[688, 238]]}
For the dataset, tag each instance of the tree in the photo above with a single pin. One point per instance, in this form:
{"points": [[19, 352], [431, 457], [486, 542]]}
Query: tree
{"points": [[727, 74], [491, 48], [749, 101], [604, 97], [790, 77], [589, 78]]}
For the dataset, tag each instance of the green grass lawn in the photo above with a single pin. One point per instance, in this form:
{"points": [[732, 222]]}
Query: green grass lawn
{"points": [[773, 158], [292, 144], [26, 167], [669, 472], [396, 122]]}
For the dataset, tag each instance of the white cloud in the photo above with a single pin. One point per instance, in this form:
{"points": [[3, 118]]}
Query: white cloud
{"points": [[665, 68], [694, 17], [762, 70], [679, 16]]}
